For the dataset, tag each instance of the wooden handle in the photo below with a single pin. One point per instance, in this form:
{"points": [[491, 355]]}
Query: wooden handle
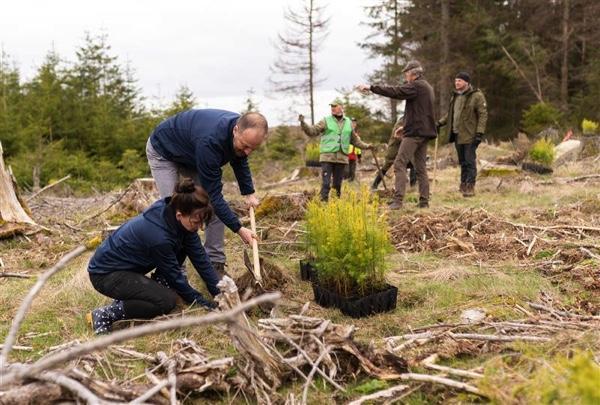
{"points": [[382, 174], [255, 247]]}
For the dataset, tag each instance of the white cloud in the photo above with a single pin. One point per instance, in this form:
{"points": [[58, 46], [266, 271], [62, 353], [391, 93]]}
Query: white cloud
{"points": [[219, 49]]}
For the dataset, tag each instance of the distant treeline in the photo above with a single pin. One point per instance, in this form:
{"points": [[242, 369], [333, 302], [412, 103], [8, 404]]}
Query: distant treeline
{"points": [[520, 52], [86, 118]]}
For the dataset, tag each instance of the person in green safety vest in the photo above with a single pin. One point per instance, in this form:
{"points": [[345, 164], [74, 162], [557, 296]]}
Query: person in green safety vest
{"points": [[336, 137]]}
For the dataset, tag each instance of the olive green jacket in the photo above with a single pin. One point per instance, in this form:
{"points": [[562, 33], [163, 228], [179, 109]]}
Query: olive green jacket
{"points": [[338, 157], [473, 117]]}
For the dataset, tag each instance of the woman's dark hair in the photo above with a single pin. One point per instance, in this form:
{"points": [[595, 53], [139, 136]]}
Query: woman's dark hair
{"points": [[189, 197]]}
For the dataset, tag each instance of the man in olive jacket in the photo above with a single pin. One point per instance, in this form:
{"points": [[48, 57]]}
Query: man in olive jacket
{"points": [[337, 135], [419, 128], [466, 119]]}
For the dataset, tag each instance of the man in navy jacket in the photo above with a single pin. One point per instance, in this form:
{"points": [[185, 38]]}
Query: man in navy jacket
{"points": [[197, 144]]}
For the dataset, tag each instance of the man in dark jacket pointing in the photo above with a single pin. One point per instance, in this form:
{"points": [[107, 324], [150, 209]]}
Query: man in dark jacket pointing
{"points": [[197, 144], [419, 128]]}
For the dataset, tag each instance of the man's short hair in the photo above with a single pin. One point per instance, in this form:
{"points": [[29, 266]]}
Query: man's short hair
{"points": [[413, 67], [253, 120]]}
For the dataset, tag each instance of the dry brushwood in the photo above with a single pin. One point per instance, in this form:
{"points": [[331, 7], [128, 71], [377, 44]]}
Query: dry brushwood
{"points": [[263, 368], [478, 234], [15, 376], [542, 327], [306, 338]]}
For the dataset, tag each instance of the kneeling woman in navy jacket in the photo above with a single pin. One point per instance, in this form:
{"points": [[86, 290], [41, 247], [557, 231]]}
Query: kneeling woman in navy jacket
{"points": [[160, 238]]}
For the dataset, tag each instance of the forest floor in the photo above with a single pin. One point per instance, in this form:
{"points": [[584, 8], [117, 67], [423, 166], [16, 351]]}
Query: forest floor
{"points": [[521, 240]]}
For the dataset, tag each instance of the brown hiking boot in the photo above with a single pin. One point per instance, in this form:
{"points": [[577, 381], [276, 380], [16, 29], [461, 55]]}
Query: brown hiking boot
{"points": [[423, 203], [395, 205], [469, 190]]}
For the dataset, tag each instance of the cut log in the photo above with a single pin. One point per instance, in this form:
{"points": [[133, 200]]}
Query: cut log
{"points": [[14, 217]]}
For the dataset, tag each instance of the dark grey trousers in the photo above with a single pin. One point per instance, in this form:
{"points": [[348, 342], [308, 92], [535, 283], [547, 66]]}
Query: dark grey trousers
{"points": [[412, 149]]}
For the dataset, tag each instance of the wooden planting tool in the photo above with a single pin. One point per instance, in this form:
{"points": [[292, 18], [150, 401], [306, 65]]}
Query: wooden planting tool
{"points": [[256, 271], [382, 174]]}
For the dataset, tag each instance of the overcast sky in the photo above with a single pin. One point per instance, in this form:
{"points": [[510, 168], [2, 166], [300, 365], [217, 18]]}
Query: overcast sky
{"points": [[219, 49]]}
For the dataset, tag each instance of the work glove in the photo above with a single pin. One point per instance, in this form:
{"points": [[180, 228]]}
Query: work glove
{"points": [[301, 118], [438, 127], [478, 138]]}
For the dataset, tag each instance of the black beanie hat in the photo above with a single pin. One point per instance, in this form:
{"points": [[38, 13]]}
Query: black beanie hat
{"points": [[464, 76]]}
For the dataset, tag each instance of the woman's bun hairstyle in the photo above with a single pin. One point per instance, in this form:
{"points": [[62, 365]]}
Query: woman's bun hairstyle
{"points": [[189, 197]]}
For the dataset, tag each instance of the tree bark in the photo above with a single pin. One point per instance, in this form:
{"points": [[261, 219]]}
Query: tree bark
{"points": [[444, 52], [310, 64], [564, 69], [13, 215]]}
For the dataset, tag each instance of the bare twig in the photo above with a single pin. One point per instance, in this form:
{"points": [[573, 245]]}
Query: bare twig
{"points": [[21, 348], [15, 275], [150, 393], [441, 380], [312, 373], [497, 338], [389, 393], [18, 319], [430, 361], [584, 250], [31, 197], [562, 313]]}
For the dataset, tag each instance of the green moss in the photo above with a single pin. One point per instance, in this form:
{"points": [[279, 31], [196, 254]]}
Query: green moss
{"points": [[499, 172]]}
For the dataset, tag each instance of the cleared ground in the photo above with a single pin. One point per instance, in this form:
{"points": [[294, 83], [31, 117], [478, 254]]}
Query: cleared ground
{"points": [[524, 239]]}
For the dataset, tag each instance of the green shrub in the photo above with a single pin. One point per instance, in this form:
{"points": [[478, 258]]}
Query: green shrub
{"points": [[574, 380], [542, 152], [280, 144], [589, 127], [539, 116], [349, 241], [313, 152]]}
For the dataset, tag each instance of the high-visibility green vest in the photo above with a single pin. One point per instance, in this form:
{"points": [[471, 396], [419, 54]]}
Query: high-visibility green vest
{"points": [[334, 140]]}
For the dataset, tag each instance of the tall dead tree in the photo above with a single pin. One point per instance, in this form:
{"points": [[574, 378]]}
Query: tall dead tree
{"points": [[13, 216], [445, 53], [564, 66], [295, 71]]}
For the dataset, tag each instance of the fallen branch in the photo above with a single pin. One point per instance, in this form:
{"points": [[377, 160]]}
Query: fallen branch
{"points": [[430, 361], [15, 275], [389, 394], [22, 348], [18, 319], [497, 338], [562, 313], [442, 380], [31, 197]]}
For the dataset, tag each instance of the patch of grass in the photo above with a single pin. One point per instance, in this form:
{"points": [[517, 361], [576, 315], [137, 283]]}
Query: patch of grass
{"points": [[444, 299]]}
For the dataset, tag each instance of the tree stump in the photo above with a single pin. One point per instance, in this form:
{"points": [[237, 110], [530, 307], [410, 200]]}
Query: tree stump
{"points": [[14, 213]]}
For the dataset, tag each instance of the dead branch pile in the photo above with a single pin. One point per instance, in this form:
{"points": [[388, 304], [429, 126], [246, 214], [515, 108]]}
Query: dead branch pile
{"points": [[316, 342], [546, 324], [476, 233]]}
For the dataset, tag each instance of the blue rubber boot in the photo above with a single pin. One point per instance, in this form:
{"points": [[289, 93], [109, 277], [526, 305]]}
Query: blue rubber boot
{"points": [[102, 318]]}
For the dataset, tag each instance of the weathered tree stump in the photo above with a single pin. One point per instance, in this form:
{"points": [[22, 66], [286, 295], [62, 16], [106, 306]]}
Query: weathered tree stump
{"points": [[14, 213]]}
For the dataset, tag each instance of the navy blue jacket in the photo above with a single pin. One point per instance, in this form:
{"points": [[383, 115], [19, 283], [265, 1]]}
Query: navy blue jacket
{"points": [[202, 140], [156, 240]]}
